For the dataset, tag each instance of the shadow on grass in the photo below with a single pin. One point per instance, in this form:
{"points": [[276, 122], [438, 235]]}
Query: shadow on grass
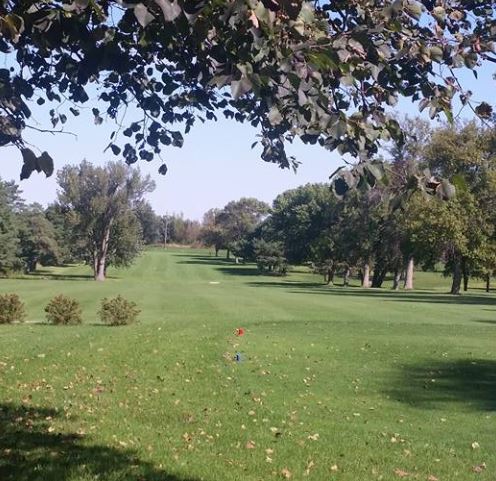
{"points": [[29, 452], [487, 321], [471, 382], [316, 288], [46, 274], [226, 266]]}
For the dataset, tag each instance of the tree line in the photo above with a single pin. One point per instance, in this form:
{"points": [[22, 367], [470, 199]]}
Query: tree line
{"points": [[381, 228], [100, 218]]}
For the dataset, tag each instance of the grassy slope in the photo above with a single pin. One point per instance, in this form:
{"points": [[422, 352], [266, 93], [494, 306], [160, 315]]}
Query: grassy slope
{"points": [[336, 383]]}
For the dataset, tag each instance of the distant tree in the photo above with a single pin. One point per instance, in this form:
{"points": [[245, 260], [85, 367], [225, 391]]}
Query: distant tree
{"points": [[183, 231], [149, 222], [37, 238], [164, 229], [68, 250], [465, 154], [99, 202], [225, 228], [125, 242], [10, 203], [300, 217], [212, 233], [243, 249], [269, 256], [240, 218]]}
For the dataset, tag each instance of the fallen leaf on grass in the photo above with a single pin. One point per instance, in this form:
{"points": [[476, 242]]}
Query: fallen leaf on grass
{"points": [[475, 445], [250, 445], [479, 468], [400, 473], [286, 473], [314, 437], [432, 478], [310, 465], [334, 468]]}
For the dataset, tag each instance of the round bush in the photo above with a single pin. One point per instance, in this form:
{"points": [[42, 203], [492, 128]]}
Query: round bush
{"points": [[118, 311], [63, 310], [11, 309]]}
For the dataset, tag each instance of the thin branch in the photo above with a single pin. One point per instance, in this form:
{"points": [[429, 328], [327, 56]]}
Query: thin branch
{"points": [[50, 131]]}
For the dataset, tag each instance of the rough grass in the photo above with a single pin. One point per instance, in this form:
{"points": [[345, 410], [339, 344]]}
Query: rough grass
{"points": [[344, 384]]}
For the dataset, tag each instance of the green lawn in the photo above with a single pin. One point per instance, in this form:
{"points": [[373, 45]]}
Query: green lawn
{"points": [[344, 384]]}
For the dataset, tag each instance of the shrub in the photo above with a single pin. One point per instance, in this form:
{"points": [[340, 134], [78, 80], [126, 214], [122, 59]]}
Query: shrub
{"points": [[118, 311], [63, 310], [11, 309]]}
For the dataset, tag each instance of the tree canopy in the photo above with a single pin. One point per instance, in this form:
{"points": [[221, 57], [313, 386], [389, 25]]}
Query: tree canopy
{"points": [[99, 203], [325, 72]]}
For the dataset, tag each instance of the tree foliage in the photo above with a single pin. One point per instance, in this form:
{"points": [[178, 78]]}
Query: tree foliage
{"points": [[9, 240], [225, 228], [325, 72], [37, 239]]}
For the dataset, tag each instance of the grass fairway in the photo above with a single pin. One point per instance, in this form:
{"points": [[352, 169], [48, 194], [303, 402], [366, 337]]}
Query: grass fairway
{"points": [[344, 384]]}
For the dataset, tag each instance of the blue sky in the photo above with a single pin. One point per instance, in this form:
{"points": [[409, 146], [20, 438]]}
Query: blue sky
{"points": [[215, 165]]}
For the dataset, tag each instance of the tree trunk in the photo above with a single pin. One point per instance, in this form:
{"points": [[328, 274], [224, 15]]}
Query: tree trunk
{"points": [[228, 254], [457, 277], [31, 265], [409, 274], [166, 227], [488, 282], [346, 277], [380, 272], [366, 276], [216, 251], [332, 271], [101, 256], [396, 279], [100, 270], [465, 275]]}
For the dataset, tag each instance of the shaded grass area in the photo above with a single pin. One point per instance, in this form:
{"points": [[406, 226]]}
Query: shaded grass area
{"points": [[31, 450], [467, 382], [335, 383]]}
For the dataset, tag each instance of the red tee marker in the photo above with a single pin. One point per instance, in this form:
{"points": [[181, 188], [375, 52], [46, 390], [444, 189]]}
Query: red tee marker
{"points": [[239, 331]]}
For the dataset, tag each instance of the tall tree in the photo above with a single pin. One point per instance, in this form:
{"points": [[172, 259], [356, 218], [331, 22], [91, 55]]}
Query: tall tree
{"points": [[183, 231], [37, 239], [149, 222], [466, 154], [10, 204], [299, 217], [68, 250], [239, 219], [212, 233], [98, 201]]}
